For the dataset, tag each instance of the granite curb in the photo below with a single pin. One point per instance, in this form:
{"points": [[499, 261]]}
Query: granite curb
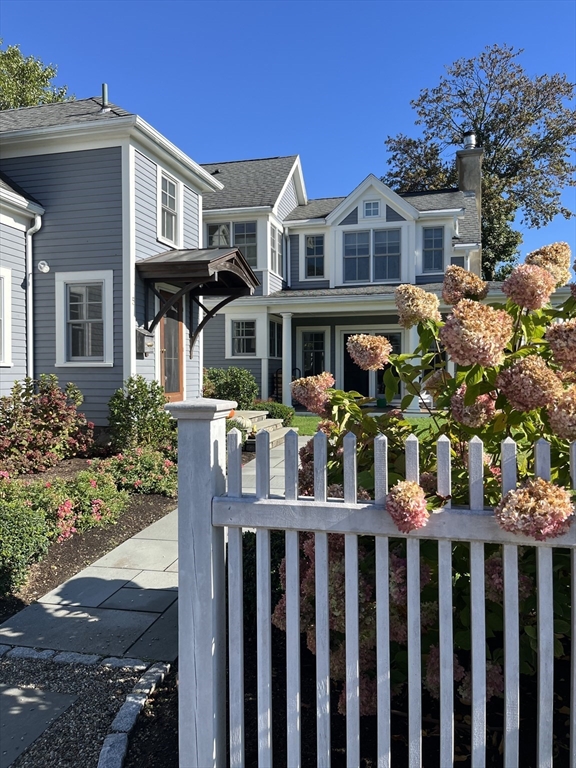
{"points": [[115, 745]]}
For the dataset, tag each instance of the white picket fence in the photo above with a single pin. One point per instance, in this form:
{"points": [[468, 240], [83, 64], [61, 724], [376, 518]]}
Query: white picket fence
{"points": [[206, 512]]}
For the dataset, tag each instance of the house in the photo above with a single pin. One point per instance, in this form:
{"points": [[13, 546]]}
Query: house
{"points": [[101, 264], [328, 267]]}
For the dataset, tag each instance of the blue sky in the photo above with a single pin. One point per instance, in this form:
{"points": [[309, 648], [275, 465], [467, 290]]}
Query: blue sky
{"points": [[326, 80]]}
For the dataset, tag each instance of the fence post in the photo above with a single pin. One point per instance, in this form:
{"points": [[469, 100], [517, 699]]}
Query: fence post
{"points": [[201, 598]]}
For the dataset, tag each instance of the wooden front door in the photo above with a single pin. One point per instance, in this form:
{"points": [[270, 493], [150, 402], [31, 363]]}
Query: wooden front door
{"points": [[171, 357]]}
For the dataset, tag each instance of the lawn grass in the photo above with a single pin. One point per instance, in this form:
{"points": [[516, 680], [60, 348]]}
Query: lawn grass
{"points": [[306, 425]]}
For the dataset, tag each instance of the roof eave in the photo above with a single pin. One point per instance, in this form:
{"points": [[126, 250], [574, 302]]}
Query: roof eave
{"points": [[19, 204]]}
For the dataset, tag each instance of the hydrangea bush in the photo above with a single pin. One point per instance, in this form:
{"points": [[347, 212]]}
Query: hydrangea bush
{"points": [[515, 377]]}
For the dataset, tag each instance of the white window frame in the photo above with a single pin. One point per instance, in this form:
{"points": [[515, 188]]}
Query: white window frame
{"points": [[305, 257], [178, 228], [300, 330], [62, 281], [232, 337], [278, 324], [276, 250], [442, 268], [371, 203], [232, 232], [371, 255], [6, 317]]}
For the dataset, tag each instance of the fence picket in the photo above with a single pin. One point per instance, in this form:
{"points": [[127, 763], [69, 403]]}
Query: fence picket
{"points": [[573, 628], [293, 647], [380, 469], [545, 628], [322, 613], [478, 634], [476, 473], [413, 607], [263, 612], [382, 608], [234, 463], [445, 615], [291, 466], [511, 621]]}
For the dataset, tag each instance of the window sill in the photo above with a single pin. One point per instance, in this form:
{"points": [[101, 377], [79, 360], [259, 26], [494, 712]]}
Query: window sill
{"points": [[85, 364], [169, 243], [6, 364]]}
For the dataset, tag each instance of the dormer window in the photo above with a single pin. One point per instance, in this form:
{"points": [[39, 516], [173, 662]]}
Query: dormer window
{"points": [[275, 250], [371, 209], [168, 209], [433, 250], [244, 237]]}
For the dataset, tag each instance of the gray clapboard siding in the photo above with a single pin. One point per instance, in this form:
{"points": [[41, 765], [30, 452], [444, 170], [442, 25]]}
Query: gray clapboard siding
{"points": [[288, 201], [258, 289], [275, 282], [296, 283], [392, 215], [352, 217], [13, 257], [429, 277], [81, 193], [214, 351], [190, 224]]}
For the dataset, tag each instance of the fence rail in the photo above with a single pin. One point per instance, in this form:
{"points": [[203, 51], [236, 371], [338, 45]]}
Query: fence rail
{"points": [[321, 516]]}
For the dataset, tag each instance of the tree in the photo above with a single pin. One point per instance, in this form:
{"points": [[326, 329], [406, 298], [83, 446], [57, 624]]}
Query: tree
{"points": [[25, 81], [526, 128]]}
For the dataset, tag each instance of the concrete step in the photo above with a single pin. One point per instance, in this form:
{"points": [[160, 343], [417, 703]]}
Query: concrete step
{"points": [[276, 438], [254, 416], [270, 425]]}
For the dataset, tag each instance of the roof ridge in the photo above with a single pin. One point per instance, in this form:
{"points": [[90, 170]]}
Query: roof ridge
{"points": [[251, 160], [429, 191], [51, 103]]}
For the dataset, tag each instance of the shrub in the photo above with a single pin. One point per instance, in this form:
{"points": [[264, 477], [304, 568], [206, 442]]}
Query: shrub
{"points": [[40, 425], [142, 470], [231, 384], [23, 539], [138, 416], [240, 426], [97, 500], [275, 410]]}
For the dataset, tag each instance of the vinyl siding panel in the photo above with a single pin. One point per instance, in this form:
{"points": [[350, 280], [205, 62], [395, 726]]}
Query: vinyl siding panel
{"points": [[352, 218], [275, 282], [296, 283], [13, 257], [392, 215], [190, 225], [214, 351], [81, 193], [288, 201], [258, 289]]}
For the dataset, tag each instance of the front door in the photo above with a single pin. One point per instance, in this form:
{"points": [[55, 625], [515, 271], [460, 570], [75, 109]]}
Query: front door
{"points": [[171, 357]]}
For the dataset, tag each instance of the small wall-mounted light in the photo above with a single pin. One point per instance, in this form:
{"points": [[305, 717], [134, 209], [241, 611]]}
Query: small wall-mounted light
{"points": [[43, 266]]}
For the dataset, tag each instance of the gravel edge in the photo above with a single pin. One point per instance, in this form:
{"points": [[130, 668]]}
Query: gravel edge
{"points": [[113, 752]]}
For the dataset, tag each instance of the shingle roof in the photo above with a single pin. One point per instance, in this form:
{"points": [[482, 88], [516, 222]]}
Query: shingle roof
{"points": [[248, 183], [362, 290], [469, 227], [316, 209], [60, 113], [11, 186]]}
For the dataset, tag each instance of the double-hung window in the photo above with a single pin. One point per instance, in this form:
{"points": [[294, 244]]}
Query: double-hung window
{"points": [[243, 337], [275, 349], [356, 257], [241, 234], [314, 256], [433, 250], [276, 250], [84, 319], [371, 208], [5, 316], [387, 254], [372, 256], [168, 208]]}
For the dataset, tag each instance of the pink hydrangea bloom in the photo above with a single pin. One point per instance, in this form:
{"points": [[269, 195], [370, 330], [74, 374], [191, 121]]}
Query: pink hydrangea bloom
{"points": [[370, 353], [311, 391], [480, 412], [415, 305], [555, 258], [476, 333], [461, 284], [529, 286], [538, 509], [406, 505], [494, 683], [432, 674], [529, 384], [562, 340], [494, 570], [435, 384], [562, 414]]}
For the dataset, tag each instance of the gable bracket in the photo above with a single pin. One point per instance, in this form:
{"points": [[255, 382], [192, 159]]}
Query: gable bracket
{"points": [[210, 314]]}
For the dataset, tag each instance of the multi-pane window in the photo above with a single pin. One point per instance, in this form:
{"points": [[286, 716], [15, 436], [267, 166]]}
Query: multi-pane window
{"points": [[219, 235], [371, 208], [276, 250], [245, 239], [85, 322], [243, 337], [169, 217], [433, 251], [387, 254], [313, 353], [373, 255], [457, 261], [356, 256], [314, 256], [275, 339]]}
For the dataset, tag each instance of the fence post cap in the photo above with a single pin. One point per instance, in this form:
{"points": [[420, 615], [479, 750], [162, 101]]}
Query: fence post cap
{"points": [[201, 408]]}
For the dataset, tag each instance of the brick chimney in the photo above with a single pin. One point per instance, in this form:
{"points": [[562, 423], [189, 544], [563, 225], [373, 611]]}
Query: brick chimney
{"points": [[469, 167]]}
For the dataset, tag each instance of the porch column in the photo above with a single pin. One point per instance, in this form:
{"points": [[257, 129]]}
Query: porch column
{"points": [[201, 586], [286, 357]]}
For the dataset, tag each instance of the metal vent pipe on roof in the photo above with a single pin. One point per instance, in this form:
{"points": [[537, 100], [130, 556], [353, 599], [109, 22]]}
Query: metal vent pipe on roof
{"points": [[105, 107], [469, 140]]}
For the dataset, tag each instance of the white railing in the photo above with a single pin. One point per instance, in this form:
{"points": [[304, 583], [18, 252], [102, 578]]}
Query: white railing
{"points": [[205, 512]]}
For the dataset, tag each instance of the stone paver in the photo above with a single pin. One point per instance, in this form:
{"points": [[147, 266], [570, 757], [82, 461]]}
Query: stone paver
{"points": [[154, 600], [141, 553], [90, 587], [154, 580], [167, 528], [160, 641], [25, 713]]}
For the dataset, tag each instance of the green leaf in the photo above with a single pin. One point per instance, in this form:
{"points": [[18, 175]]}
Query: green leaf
{"points": [[462, 640], [530, 631], [406, 400]]}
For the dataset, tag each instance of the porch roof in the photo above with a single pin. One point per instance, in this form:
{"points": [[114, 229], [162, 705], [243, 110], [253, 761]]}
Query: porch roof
{"points": [[205, 271]]}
